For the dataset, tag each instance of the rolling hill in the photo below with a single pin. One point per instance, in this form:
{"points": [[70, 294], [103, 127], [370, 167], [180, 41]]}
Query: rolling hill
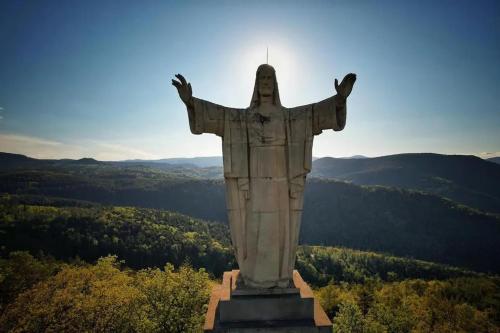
{"points": [[398, 221], [144, 237], [465, 179]]}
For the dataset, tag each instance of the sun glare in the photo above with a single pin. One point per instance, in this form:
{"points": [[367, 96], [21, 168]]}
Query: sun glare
{"points": [[281, 56]]}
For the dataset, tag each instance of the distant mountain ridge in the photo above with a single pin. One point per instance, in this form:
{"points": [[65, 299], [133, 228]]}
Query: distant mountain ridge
{"points": [[465, 179], [186, 162], [198, 166], [10, 160], [494, 159], [200, 162]]}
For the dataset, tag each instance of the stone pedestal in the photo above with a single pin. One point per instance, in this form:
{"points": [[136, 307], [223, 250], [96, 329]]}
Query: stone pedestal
{"points": [[234, 309]]}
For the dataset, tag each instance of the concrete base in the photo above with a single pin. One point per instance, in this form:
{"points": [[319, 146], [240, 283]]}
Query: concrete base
{"points": [[237, 310]]}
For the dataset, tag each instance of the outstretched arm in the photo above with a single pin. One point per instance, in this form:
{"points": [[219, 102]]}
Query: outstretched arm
{"points": [[204, 116], [331, 113]]}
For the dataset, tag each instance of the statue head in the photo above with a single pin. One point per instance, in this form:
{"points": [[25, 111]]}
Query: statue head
{"points": [[265, 86]]}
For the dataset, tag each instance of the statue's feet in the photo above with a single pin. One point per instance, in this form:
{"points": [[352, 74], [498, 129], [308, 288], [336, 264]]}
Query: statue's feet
{"points": [[285, 283], [246, 283]]}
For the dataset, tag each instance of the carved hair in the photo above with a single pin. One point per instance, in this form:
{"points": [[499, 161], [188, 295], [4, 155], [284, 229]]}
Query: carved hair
{"points": [[255, 102]]}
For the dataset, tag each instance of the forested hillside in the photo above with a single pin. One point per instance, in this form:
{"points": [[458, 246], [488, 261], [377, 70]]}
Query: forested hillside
{"points": [[131, 186], [469, 180], [143, 237], [397, 221], [361, 291], [401, 222], [43, 295]]}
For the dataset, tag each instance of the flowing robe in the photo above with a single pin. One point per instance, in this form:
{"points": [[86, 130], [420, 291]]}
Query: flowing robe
{"points": [[265, 167]]}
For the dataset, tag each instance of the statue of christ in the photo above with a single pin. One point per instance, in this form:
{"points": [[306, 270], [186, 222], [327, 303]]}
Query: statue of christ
{"points": [[267, 153]]}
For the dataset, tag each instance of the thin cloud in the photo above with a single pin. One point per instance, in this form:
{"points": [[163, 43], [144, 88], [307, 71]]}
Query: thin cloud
{"points": [[49, 149], [489, 154], [22, 139], [32, 146], [112, 151]]}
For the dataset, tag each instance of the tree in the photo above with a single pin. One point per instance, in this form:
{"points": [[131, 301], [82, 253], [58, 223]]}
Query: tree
{"points": [[349, 319], [105, 298]]}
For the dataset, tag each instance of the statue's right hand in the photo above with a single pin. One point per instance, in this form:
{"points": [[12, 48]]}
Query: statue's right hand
{"points": [[184, 89], [345, 87]]}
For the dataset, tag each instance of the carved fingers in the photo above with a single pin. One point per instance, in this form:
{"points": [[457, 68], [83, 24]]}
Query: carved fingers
{"points": [[183, 88], [176, 84], [349, 79], [345, 87], [182, 79]]}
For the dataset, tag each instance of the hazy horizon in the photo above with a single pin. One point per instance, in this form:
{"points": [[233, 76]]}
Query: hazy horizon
{"points": [[485, 156], [92, 79]]}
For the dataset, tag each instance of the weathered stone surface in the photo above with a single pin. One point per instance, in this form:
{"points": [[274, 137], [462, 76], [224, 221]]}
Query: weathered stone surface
{"points": [[283, 310], [267, 153]]}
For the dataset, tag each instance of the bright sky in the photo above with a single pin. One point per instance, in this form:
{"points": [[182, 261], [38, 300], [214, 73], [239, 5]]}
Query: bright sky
{"points": [[92, 78]]}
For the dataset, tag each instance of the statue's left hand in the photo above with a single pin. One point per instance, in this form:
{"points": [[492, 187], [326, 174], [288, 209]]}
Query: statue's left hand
{"points": [[184, 89], [345, 87]]}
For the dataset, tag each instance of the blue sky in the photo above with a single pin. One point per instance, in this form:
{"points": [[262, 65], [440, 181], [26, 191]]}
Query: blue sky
{"points": [[92, 78]]}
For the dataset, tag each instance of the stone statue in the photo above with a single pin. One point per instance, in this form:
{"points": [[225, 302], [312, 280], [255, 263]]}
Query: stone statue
{"points": [[267, 153]]}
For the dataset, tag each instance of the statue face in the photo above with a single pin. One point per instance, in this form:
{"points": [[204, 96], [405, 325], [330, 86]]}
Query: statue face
{"points": [[265, 79]]}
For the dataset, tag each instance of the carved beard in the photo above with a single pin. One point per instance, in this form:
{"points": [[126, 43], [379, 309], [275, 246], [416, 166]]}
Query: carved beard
{"points": [[267, 95]]}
